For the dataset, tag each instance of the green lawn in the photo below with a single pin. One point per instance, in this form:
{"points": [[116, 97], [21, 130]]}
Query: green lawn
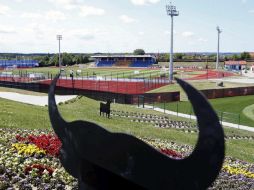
{"points": [[20, 91], [113, 72], [191, 64], [23, 116], [234, 105], [88, 72]]}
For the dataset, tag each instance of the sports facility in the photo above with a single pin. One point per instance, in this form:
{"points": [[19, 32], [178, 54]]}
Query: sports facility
{"points": [[8, 64], [125, 61], [114, 95], [125, 80]]}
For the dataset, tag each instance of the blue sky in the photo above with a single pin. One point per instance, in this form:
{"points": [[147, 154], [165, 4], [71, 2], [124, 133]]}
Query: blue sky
{"points": [[29, 26]]}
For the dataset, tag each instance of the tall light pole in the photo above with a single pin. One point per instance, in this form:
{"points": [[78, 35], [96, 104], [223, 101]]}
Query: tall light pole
{"points": [[171, 11], [59, 38], [218, 50]]}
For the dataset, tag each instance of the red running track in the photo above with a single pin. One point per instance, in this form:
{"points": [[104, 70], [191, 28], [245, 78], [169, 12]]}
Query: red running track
{"points": [[211, 74], [108, 86]]}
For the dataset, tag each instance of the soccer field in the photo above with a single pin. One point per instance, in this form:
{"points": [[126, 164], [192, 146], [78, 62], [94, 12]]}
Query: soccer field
{"points": [[121, 72], [91, 72]]}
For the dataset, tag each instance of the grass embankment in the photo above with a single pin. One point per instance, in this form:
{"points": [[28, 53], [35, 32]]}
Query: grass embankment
{"points": [[200, 85], [18, 115], [20, 91], [234, 105], [249, 112]]}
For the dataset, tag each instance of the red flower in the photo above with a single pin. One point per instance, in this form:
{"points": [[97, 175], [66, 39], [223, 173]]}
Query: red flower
{"points": [[171, 153], [50, 143], [40, 168]]}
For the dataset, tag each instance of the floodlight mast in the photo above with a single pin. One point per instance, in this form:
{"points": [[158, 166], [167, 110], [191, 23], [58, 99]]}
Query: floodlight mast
{"points": [[59, 38], [171, 11], [218, 50]]}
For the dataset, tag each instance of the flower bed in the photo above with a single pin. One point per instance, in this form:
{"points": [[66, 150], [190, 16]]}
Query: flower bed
{"points": [[31, 160], [49, 143]]}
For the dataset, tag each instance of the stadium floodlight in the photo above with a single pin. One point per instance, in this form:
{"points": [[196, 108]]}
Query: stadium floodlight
{"points": [[59, 38], [171, 11], [218, 50]]}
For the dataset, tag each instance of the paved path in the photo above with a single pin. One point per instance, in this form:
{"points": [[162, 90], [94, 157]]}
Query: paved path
{"points": [[34, 100], [227, 124], [237, 80]]}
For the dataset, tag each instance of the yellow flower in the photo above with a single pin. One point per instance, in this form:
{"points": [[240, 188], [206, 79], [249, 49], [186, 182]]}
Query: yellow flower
{"points": [[27, 149], [238, 171]]}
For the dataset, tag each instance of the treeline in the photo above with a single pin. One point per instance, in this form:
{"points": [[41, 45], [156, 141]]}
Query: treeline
{"points": [[188, 57], [67, 59]]}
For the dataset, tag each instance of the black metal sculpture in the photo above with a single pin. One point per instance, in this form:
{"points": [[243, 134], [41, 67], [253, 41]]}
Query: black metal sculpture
{"points": [[100, 159], [105, 108]]}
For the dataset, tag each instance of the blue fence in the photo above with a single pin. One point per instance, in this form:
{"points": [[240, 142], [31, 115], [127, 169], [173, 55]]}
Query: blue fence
{"points": [[105, 63], [18, 63], [146, 63], [134, 63]]}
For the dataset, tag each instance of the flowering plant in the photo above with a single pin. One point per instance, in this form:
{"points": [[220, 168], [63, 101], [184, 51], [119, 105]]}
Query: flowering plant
{"points": [[40, 169], [27, 149], [171, 153], [50, 143]]}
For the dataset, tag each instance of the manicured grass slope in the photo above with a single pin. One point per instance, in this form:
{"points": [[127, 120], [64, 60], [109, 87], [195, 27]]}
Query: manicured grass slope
{"points": [[20, 91], [232, 105], [18, 115], [200, 85], [249, 112]]}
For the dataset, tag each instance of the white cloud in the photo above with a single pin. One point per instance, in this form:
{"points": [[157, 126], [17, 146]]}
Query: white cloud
{"points": [[141, 33], [84, 34], [55, 15], [37, 30], [91, 11], [6, 29], [187, 34], [49, 15], [202, 40], [66, 4], [31, 15], [78, 5], [166, 32], [4, 9], [144, 2], [127, 19]]}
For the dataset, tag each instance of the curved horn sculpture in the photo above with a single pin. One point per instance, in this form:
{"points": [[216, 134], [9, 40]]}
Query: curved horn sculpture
{"points": [[104, 160]]}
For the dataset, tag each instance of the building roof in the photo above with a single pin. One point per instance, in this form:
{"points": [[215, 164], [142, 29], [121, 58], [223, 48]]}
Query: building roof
{"points": [[122, 56], [235, 63]]}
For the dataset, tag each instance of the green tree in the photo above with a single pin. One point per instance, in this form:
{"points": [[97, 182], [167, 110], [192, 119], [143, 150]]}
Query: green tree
{"points": [[226, 58], [54, 60], [178, 56], [80, 59], [245, 56], [139, 52], [236, 57], [67, 59]]}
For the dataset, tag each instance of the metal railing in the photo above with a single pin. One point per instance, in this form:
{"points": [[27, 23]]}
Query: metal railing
{"points": [[182, 108]]}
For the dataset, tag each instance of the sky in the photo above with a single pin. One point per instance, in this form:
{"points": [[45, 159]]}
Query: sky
{"points": [[89, 26]]}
